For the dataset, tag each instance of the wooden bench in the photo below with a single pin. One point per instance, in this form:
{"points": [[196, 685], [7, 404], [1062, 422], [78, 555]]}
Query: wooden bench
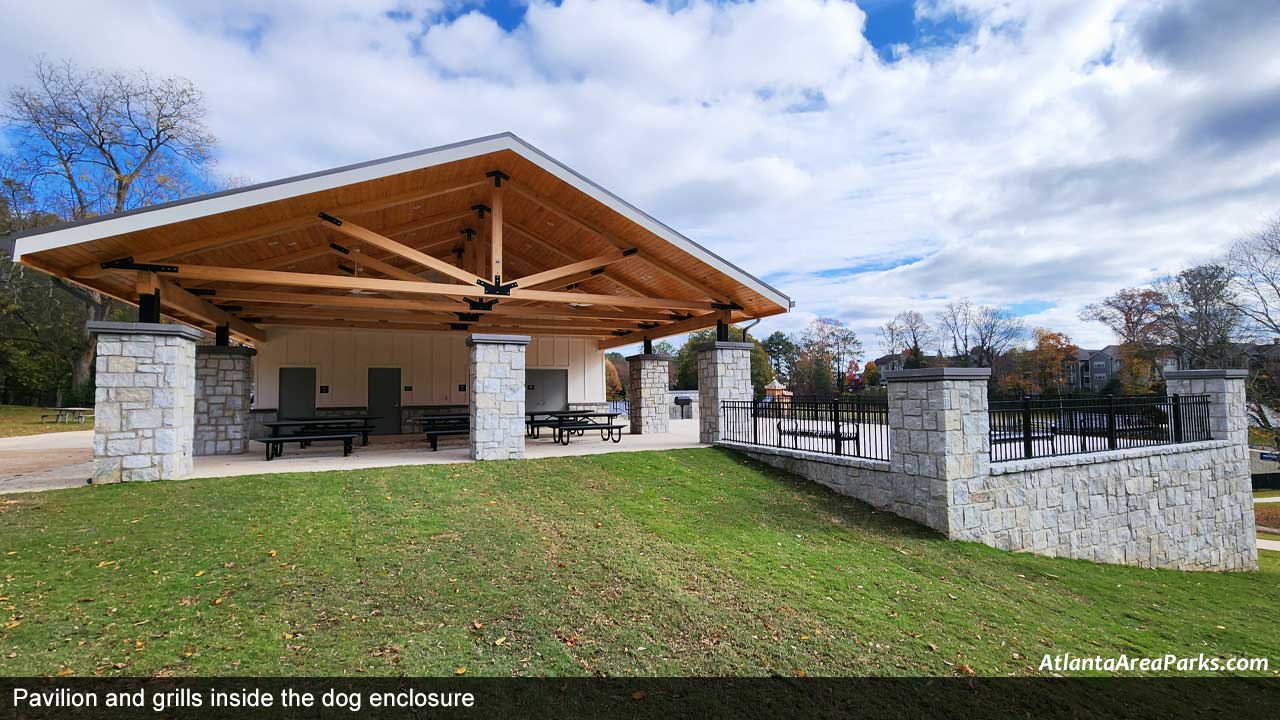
{"points": [[608, 431], [275, 445]]}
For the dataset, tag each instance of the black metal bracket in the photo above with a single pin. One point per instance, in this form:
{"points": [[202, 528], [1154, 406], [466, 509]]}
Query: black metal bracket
{"points": [[459, 326], [498, 176], [649, 325], [468, 317], [481, 209], [230, 308], [496, 287], [469, 233], [201, 291], [725, 306], [347, 270], [620, 333], [339, 248], [630, 251], [686, 316], [127, 263], [329, 218], [598, 271], [475, 304]]}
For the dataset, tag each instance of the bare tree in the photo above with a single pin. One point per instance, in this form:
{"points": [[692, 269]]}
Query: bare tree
{"points": [[1255, 264], [956, 321], [88, 143], [909, 332], [995, 331]]}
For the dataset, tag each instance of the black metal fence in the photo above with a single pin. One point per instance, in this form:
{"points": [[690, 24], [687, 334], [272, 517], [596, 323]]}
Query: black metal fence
{"points": [[853, 428], [1027, 428]]}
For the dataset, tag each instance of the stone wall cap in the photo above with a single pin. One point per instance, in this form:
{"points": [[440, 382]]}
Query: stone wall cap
{"points": [[944, 373], [725, 345], [495, 339], [1208, 374], [650, 356], [225, 350], [108, 327]]}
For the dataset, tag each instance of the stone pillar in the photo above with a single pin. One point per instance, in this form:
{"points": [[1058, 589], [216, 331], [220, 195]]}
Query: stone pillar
{"points": [[647, 394], [144, 401], [223, 377], [1228, 416], [939, 444], [495, 394], [724, 373]]}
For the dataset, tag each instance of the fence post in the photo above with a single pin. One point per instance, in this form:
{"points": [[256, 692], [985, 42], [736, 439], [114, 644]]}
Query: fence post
{"points": [[1176, 408], [755, 422], [1028, 448], [835, 421], [1112, 440]]}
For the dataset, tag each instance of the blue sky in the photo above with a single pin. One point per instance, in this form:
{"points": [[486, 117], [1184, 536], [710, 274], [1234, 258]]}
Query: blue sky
{"points": [[867, 157]]}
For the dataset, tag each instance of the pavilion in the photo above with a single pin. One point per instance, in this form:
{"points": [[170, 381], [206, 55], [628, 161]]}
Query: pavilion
{"points": [[482, 274]]}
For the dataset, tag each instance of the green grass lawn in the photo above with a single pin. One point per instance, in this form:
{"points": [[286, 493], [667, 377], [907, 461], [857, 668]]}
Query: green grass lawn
{"points": [[18, 420], [1266, 493], [692, 562]]}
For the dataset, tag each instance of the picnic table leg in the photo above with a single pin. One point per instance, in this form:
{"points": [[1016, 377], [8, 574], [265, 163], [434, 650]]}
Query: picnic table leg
{"points": [[346, 447]]}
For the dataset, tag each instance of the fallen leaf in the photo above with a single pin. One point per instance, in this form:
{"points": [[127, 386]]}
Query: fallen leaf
{"points": [[65, 672], [200, 574], [12, 625], [637, 695], [272, 553], [933, 647], [105, 563], [965, 669], [460, 671], [217, 601], [500, 641]]}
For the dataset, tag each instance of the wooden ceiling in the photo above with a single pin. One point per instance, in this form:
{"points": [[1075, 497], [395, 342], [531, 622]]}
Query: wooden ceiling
{"points": [[496, 242]]}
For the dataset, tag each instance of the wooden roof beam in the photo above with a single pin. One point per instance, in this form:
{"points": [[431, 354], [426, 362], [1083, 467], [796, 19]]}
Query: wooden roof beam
{"points": [[365, 301], [335, 282], [179, 299], [698, 322], [396, 248], [587, 265], [548, 204]]}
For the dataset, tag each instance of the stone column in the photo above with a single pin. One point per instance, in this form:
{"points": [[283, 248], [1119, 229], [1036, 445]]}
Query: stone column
{"points": [[724, 373], [1228, 417], [144, 401], [495, 394], [939, 445], [647, 394], [222, 423]]}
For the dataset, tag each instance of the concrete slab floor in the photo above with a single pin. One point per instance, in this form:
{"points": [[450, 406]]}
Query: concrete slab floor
{"points": [[393, 450], [48, 461]]}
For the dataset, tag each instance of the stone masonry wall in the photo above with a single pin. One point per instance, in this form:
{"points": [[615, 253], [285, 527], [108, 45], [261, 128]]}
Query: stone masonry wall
{"points": [[495, 391], [222, 421], [1186, 506], [724, 373], [647, 394], [144, 403]]}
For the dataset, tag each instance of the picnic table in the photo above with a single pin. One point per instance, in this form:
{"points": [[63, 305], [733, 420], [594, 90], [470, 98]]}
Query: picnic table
{"points": [[68, 414], [437, 426], [360, 424], [566, 423]]}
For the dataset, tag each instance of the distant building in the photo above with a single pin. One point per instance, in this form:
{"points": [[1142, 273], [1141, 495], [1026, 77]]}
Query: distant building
{"points": [[776, 391]]}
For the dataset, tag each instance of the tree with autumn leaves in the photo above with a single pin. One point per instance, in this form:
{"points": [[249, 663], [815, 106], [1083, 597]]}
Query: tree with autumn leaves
{"points": [[1042, 369]]}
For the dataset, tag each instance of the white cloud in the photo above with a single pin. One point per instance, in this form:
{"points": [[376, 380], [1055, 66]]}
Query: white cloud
{"points": [[1059, 150]]}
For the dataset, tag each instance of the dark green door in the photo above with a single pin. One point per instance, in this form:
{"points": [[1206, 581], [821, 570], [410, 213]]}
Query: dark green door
{"points": [[384, 400], [297, 393]]}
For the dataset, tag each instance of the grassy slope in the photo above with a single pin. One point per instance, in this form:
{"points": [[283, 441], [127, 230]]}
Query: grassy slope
{"points": [[18, 420], [687, 562]]}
